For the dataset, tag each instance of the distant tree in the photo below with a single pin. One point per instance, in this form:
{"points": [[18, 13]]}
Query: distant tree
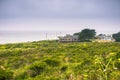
{"points": [[86, 34], [101, 35], [76, 33], [116, 36]]}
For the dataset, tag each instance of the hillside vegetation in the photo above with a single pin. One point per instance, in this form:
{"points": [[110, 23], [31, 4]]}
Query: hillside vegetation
{"points": [[50, 60]]}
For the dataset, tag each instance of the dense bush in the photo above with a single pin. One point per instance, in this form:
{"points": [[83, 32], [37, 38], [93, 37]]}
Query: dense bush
{"points": [[53, 62], [37, 68], [5, 74], [64, 68]]}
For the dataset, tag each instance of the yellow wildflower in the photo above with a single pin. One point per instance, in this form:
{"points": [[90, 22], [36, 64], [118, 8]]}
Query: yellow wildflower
{"points": [[118, 59], [112, 53]]}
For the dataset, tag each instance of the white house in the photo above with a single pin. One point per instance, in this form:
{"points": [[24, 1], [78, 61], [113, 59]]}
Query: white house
{"points": [[68, 38], [104, 38]]}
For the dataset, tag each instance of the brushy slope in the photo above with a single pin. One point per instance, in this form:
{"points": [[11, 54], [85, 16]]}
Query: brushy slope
{"points": [[50, 60]]}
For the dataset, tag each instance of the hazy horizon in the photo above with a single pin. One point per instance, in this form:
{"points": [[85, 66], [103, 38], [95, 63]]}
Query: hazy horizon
{"points": [[60, 25], [60, 15]]}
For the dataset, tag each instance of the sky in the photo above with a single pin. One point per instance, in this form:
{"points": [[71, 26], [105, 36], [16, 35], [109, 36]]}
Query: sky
{"points": [[60, 15]]}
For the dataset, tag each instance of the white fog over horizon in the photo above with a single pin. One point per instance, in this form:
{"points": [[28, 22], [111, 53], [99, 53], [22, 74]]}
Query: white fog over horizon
{"points": [[57, 16], [60, 25]]}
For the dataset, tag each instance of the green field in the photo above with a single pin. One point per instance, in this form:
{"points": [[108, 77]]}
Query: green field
{"points": [[50, 60]]}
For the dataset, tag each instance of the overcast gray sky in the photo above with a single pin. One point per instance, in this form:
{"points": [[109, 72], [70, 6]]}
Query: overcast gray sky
{"points": [[68, 15]]}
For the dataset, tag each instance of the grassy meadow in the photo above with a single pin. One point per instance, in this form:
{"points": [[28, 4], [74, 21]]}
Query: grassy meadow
{"points": [[51, 60]]}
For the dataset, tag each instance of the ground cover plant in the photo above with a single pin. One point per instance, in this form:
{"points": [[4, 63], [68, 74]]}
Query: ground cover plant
{"points": [[51, 60]]}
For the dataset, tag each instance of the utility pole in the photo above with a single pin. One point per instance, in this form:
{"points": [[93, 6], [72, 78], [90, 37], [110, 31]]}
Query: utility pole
{"points": [[46, 36], [56, 35], [60, 33]]}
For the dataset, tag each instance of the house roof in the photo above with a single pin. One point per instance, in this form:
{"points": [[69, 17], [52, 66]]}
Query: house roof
{"points": [[69, 36]]}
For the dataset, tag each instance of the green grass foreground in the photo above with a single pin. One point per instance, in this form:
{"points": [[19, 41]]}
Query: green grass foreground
{"points": [[50, 60]]}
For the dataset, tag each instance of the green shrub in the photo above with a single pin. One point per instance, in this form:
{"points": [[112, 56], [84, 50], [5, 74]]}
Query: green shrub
{"points": [[52, 62], [37, 68], [5, 75], [64, 68]]}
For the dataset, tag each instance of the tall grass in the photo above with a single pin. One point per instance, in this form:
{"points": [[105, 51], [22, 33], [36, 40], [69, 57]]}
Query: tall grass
{"points": [[50, 60]]}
